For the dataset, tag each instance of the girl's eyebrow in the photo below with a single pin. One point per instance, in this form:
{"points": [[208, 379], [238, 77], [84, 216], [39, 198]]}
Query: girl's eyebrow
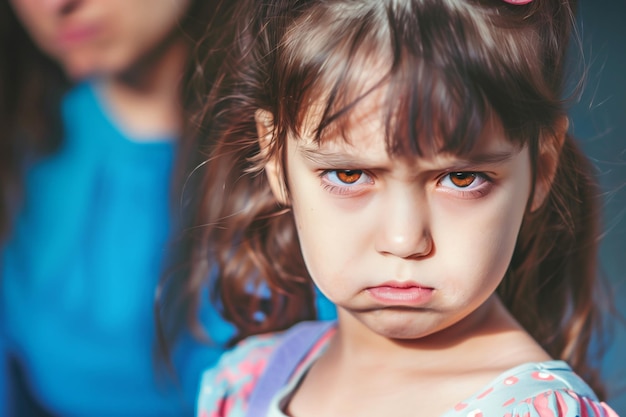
{"points": [[341, 159], [334, 159]]}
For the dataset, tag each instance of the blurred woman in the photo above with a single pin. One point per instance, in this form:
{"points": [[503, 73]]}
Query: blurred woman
{"points": [[91, 122]]}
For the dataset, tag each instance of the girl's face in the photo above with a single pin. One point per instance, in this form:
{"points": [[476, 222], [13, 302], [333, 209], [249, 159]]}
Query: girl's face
{"points": [[408, 246], [98, 36]]}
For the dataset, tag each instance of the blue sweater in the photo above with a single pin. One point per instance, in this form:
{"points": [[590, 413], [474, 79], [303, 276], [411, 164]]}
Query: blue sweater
{"points": [[80, 270]]}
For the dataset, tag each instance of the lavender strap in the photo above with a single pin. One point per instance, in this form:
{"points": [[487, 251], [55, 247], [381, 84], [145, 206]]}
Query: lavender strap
{"points": [[296, 344]]}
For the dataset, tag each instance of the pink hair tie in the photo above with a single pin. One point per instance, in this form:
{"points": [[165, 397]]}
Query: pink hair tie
{"points": [[517, 2]]}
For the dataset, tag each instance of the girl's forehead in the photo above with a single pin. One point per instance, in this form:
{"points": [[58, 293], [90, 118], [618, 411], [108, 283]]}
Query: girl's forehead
{"points": [[363, 135], [373, 121]]}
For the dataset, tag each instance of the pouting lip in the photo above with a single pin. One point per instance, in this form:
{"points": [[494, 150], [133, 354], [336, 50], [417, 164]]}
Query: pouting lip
{"points": [[401, 285], [401, 294]]}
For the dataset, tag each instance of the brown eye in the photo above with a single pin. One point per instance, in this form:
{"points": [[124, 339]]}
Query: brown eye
{"points": [[349, 176], [462, 179]]}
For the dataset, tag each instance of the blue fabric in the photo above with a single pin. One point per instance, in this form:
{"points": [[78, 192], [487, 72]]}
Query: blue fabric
{"points": [[326, 310], [80, 269]]}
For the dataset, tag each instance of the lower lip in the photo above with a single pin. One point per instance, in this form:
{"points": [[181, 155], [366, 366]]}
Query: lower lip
{"points": [[409, 296]]}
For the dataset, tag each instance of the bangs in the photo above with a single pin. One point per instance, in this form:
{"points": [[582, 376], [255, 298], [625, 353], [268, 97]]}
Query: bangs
{"points": [[437, 77], [423, 110]]}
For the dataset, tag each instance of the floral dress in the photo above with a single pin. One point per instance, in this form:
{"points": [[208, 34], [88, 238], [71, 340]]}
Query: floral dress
{"points": [[542, 389]]}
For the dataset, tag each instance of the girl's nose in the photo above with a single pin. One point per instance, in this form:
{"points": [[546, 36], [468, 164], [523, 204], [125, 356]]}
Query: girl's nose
{"points": [[403, 228]]}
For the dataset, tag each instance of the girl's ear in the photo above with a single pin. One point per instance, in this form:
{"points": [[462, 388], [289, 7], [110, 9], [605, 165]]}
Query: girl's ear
{"points": [[548, 160], [265, 130]]}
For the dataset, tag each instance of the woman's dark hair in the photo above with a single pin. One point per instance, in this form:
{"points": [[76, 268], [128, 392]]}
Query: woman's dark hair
{"points": [[446, 69], [31, 85]]}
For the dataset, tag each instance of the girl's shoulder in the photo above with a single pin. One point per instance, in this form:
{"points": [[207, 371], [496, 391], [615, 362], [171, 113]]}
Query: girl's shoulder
{"points": [[225, 389], [538, 389]]}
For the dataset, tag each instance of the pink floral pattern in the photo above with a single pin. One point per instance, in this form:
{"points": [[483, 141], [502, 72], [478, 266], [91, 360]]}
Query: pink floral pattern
{"points": [[226, 389], [545, 389]]}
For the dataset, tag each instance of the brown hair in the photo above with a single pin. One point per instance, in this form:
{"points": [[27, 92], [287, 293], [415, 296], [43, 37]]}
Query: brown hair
{"points": [[450, 66]]}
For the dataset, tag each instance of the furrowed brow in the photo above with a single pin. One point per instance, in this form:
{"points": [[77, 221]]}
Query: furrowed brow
{"points": [[335, 159]]}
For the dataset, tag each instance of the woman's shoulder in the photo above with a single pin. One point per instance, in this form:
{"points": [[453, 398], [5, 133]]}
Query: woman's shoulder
{"points": [[79, 95], [226, 388], [538, 389]]}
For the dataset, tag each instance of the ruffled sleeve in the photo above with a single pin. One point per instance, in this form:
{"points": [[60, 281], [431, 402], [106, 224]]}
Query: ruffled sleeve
{"points": [[225, 389], [561, 403], [543, 389]]}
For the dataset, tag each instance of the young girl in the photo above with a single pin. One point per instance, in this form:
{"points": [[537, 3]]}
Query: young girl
{"points": [[411, 158]]}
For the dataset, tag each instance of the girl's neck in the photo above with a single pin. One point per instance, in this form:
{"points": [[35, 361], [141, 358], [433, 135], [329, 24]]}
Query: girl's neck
{"points": [[464, 342], [145, 100], [368, 375]]}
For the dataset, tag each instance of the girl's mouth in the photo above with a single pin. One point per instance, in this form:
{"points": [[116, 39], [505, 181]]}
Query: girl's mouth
{"points": [[401, 293]]}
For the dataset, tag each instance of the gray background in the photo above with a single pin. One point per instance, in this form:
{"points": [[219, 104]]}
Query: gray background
{"points": [[598, 119]]}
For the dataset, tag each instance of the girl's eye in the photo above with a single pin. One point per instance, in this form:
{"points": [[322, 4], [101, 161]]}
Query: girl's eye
{"points": [[348, 176], [345, 181], [463, 181]]}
